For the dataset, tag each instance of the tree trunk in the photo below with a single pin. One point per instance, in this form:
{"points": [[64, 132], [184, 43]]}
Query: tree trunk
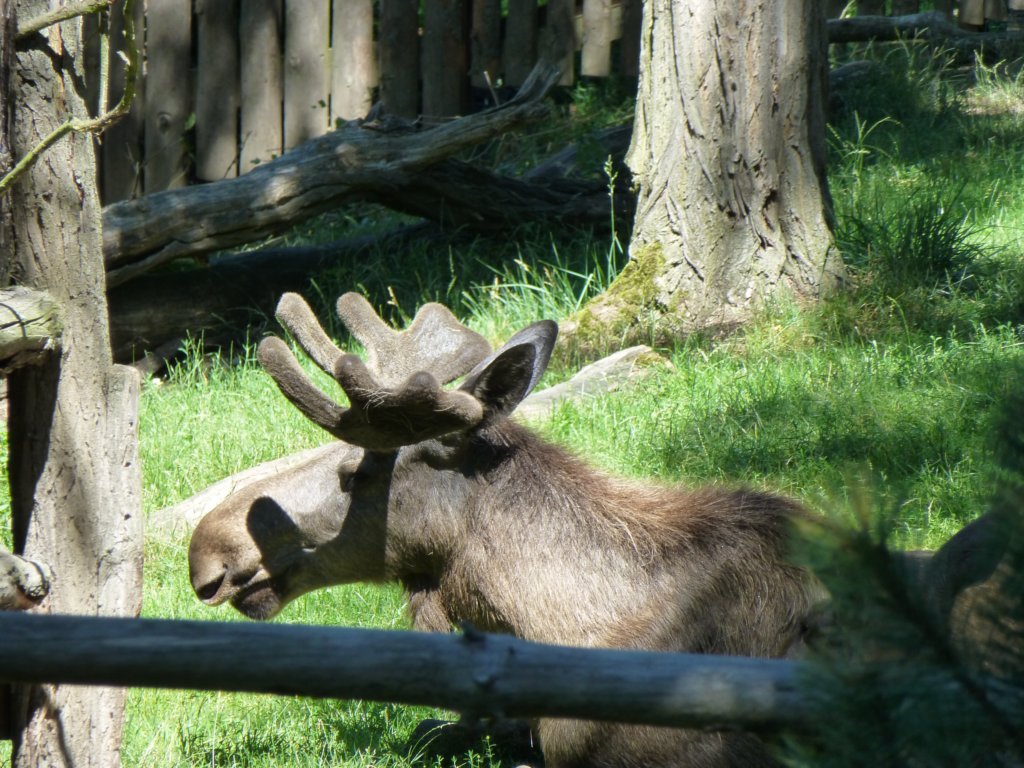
{"points": [[729, 154], [75, 485]]}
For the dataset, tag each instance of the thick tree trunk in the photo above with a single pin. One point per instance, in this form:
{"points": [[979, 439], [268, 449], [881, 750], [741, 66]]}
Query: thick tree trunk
{"points": [[728, 152], [75, 486]]}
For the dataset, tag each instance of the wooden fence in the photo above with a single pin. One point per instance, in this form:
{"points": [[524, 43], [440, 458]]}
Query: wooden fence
{"points": [[228, 84]]}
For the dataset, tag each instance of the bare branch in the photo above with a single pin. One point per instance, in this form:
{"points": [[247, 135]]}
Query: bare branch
{"points": [[57, 15]]}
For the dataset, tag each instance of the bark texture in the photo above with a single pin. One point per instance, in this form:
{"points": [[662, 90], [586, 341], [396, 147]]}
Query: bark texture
{"points": [[75, 485], [728, 151]]}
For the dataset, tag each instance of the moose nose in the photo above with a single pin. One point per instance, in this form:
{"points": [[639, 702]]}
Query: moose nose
{"points": [[208, 592], [207, 576]]}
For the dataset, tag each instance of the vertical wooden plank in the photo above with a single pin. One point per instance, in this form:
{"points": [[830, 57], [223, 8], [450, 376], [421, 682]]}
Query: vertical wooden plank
{"points": [[169, 103], [945, 6], [353, 65], [121, 144], [520, 49], [307, 28], [629, 40], [445, 57], [485, 44], [399, 49], [558, 38], [92, 26], [262, 87], [217, 89], [596, 59]]}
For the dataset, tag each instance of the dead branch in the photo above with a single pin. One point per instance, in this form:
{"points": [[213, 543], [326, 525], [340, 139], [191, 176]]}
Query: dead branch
{"points": [[933, 27]]}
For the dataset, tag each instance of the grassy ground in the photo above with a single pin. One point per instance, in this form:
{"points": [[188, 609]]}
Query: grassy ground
{"points": [[890, 386]]}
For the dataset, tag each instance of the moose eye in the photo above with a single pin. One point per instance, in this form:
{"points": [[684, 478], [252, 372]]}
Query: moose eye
{"points": [[348, 482]]}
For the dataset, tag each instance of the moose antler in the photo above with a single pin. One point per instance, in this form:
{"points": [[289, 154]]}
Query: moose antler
{"points": [[396, 396]]}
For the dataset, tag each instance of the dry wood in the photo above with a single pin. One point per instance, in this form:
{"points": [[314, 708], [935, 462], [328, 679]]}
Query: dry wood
{"points": [[168, 89], [305, 74], [485, 42], [121, 158], [445, 64], [558, 38], [217, 89], [473, 673], [597, 38], [261, 83], [934, 27], [30, 327], [353, 67], [399, 47], [629, 41], [222, 300], [520, 40], [319, 175]]}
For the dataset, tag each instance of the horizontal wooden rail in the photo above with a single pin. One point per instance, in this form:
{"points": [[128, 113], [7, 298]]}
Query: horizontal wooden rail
{"points": [[30, 326], [477, 674]]}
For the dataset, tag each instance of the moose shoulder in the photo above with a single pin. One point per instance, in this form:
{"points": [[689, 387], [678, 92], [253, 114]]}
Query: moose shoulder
{"points": [[482, 521]]}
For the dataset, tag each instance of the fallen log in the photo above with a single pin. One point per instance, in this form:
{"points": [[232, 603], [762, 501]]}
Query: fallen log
{"points": [[933, 27], [477, 674], [221, 301], [347, 164]]}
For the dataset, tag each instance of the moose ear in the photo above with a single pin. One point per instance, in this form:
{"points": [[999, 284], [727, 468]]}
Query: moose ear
{"points": [[505, 378]]}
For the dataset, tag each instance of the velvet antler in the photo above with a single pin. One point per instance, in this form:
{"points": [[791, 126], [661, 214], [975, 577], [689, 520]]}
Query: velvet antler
{"points": [[396, 398]]}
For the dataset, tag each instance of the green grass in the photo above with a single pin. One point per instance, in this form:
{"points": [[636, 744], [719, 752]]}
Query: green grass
{"points": [[890, 386]]}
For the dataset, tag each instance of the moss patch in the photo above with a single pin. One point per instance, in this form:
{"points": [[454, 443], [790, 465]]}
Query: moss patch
{"points": [[628, 312]]}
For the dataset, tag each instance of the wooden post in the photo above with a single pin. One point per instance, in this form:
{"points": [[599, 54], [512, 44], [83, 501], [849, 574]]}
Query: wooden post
{"points": [[485, 44], [74, 470], [261, 83], [399, 51], [520, 50], [353, 65], [307, 25], [558, 38], [629, 40], [168, 87], [217, 89], [445, 58], [597, 38], [121, 145]]}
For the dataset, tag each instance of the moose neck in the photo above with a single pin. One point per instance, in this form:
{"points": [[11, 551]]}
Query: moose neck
{"points": [[533, 525]]}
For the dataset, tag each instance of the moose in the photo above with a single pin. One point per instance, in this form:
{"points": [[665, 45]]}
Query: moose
{"points": [[482, 521]]}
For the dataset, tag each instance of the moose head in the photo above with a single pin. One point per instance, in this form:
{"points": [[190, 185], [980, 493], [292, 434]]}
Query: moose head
{"points": [[361, 511]]}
